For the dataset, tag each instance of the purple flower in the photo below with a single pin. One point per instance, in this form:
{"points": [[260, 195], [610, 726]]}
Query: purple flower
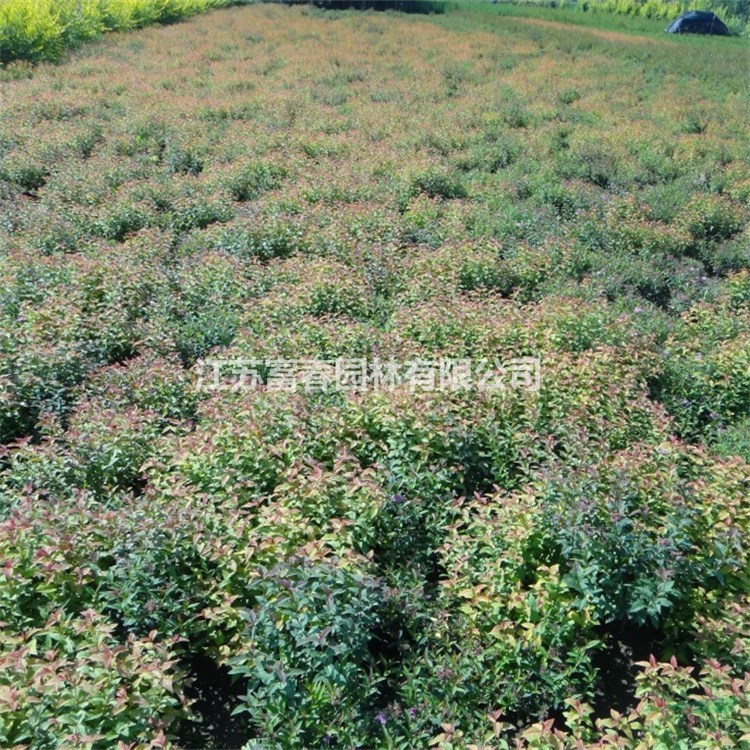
{"points": [[398, 499], [638, 309], [381, 718], [412, 712]]}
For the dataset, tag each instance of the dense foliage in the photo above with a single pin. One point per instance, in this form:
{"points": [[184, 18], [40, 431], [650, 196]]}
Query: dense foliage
{"points": [[42, 29], [567, 568]]}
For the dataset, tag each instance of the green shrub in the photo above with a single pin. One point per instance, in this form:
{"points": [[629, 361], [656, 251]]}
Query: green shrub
{"points": [[484, 274], [74, 670], [305, 652], [508, 639], [569, 96], [695, 123], [182, 159], [590, 163], [42, 29], [150, 383], [690, 706], [23, 174], [102, 453], [657, 163], [30, 30], [437, 183], [269, 238], [565, 201], [515, 115], [705, 382], [38, 380], [86, 142], [490, 157], [109, 447], [118, 223], [197, 213], [623, 553], [421, 221], [251, 180], [711, 218], [200, 332]]}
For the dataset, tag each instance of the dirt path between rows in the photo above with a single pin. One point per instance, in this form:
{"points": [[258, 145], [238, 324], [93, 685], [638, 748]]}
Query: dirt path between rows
{"points": [[610, 36]]}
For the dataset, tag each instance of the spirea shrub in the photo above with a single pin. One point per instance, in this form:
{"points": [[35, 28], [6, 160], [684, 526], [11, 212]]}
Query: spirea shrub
{"points": [[402, 566]]}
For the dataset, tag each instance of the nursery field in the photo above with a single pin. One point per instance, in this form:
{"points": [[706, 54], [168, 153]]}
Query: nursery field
{"points": [[262, 554]]}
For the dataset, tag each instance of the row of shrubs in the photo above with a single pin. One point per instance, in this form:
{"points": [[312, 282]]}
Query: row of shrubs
{"points": [[67, 320], [42, 29]]}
